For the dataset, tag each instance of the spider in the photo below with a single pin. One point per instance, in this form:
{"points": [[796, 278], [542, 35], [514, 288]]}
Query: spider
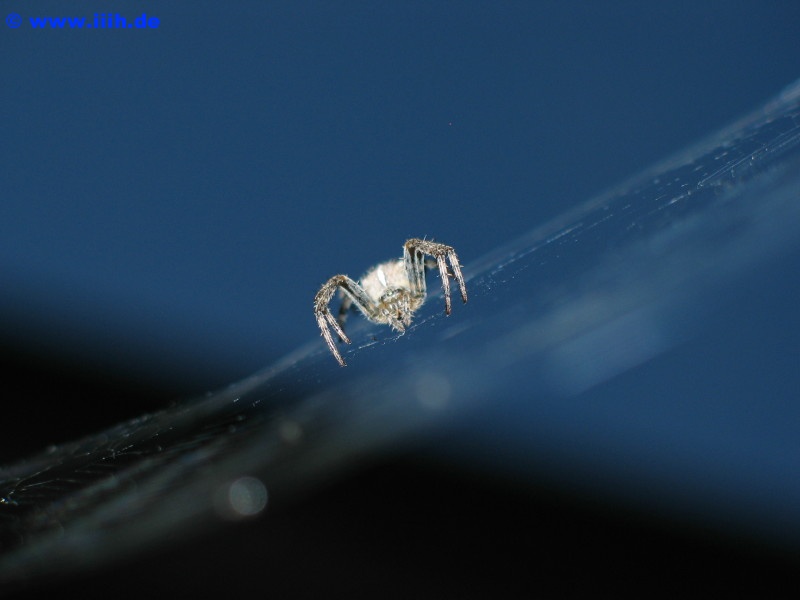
{"points": [[388, 293]]}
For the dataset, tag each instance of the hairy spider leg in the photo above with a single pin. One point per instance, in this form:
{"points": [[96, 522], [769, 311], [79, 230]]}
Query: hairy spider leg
{"points": [[415, 264], [355, 293], [416, 248], [344, 308]]}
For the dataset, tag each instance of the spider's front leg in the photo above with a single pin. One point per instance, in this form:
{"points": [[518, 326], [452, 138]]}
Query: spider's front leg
{"points": [[325, 320], [414, 252]]}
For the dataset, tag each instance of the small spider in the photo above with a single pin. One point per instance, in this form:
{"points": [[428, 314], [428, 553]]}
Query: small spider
{"points": [[388, 293]]}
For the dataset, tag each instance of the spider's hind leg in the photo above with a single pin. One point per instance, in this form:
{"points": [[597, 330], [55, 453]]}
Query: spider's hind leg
{"points": [[344, 309], [414, 252]]}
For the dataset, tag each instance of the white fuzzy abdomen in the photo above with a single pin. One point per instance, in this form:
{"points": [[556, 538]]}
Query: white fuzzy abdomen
{"points": [[391, 274]]}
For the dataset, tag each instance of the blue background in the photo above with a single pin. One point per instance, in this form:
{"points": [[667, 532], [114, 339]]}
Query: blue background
{"points": [[173, 197]]}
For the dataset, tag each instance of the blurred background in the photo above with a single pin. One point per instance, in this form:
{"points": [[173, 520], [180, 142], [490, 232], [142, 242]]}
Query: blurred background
{"points": [[174, 196]]}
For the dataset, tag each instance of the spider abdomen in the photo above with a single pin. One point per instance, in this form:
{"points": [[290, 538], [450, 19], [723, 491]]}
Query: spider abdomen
{"points": [[391, 274]]}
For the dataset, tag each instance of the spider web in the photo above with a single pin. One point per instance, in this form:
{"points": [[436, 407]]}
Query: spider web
{"points": [[603, 289]]}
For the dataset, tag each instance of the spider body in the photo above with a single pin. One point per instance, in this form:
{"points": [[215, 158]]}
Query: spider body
{"points": [[388, 293], [388, 284]]}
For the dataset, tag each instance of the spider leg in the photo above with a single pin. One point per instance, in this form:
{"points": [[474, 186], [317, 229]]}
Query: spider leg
{"points": [[445, 282], [326, 333], [414, 251], [354, 293], [415, 263], [401, 323], [347, 302], [456, 266]]}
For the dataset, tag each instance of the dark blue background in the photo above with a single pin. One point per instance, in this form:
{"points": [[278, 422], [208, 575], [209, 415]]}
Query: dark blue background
{"points": [[173, 197]]}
